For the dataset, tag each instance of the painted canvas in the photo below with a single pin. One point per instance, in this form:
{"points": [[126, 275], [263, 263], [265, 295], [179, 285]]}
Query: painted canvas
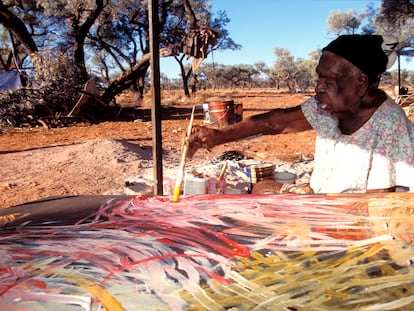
{"points": [[210, 252]]}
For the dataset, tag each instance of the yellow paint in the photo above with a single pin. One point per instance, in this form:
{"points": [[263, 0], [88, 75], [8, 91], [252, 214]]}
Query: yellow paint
{"points": [[4, 220], [176, 193], [109, 302]]}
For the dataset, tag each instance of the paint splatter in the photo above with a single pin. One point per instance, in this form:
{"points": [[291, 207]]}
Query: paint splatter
{"points": [[212, 252]]}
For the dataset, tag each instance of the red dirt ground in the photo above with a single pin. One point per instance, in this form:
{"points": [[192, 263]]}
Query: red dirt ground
{"points": [[38, 162]]}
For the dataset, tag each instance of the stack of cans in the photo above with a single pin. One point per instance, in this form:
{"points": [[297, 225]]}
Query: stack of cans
{"points": [[259, 172]]}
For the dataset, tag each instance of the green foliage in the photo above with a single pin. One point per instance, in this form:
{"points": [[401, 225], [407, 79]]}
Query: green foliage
{"points": [[108, 38], [393, 18], [351, 22], [296, 74], [396, 18], [52, 91], [343, 22], [57, 77]]}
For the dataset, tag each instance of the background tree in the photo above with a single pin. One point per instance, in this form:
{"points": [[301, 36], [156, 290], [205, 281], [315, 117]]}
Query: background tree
{"points": [[396, 18], [343, 22], [285, 68], [109, 40], [304, 74], [198, 17], [106, 38], [17, 27], [392, 18], [352, 22]]}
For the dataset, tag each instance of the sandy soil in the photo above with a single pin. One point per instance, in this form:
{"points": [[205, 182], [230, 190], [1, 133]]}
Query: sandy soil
{"points": [[102, 158]]}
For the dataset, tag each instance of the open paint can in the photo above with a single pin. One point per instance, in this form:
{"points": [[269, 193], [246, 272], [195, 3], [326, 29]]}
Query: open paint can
{"points": [[259, 172]]}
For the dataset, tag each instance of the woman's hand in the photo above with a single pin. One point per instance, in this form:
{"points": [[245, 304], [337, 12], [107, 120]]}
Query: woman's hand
{"points": [[202, 137]]}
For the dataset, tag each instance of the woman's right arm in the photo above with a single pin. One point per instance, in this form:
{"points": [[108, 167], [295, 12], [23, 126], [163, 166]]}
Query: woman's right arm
{"points": [[276, 121]]}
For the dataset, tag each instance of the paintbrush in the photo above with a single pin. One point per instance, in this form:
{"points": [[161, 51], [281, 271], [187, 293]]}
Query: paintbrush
{"points": [[180, 174], [223, 171]]}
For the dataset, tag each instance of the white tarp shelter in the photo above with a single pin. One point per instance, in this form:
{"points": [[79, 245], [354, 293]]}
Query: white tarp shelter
{"points": [[10, 80]]}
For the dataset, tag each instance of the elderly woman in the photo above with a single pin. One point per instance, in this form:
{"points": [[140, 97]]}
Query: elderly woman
{"points": [[365, 142]]}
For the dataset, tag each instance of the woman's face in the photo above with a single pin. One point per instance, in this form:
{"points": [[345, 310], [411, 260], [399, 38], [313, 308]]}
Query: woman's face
{"points": [[338, 89]]}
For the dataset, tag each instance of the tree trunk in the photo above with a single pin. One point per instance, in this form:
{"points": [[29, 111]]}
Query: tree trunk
{"points": [[127, 79], [81, 31], [184, 76], [17, 27], [192, 19]]}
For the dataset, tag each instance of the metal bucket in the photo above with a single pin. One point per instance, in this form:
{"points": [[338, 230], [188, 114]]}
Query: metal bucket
{"points": [[221, 113]]}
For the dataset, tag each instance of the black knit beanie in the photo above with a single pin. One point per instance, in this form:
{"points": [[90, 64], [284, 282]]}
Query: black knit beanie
{"points": [[364, 51]]}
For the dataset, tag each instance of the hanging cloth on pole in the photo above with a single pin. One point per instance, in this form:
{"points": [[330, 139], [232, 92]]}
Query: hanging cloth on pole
{"points": [[10, 80], [195, 44]]}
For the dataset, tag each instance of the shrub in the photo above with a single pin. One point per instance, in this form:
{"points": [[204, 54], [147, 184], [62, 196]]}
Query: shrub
{"points": [[52, 90]]}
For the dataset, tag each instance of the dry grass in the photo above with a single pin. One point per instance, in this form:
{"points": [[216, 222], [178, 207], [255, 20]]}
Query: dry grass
{"points": [[177, 98]]}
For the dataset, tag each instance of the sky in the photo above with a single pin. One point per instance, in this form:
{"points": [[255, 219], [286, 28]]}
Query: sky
{"points": [[300, 26]]}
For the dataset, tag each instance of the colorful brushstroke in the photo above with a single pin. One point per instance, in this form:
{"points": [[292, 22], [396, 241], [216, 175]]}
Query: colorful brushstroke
{"points": [[213, 252]]}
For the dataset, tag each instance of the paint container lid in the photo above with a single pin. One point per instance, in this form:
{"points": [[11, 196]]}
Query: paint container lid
{"points": [[285, 177]]}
